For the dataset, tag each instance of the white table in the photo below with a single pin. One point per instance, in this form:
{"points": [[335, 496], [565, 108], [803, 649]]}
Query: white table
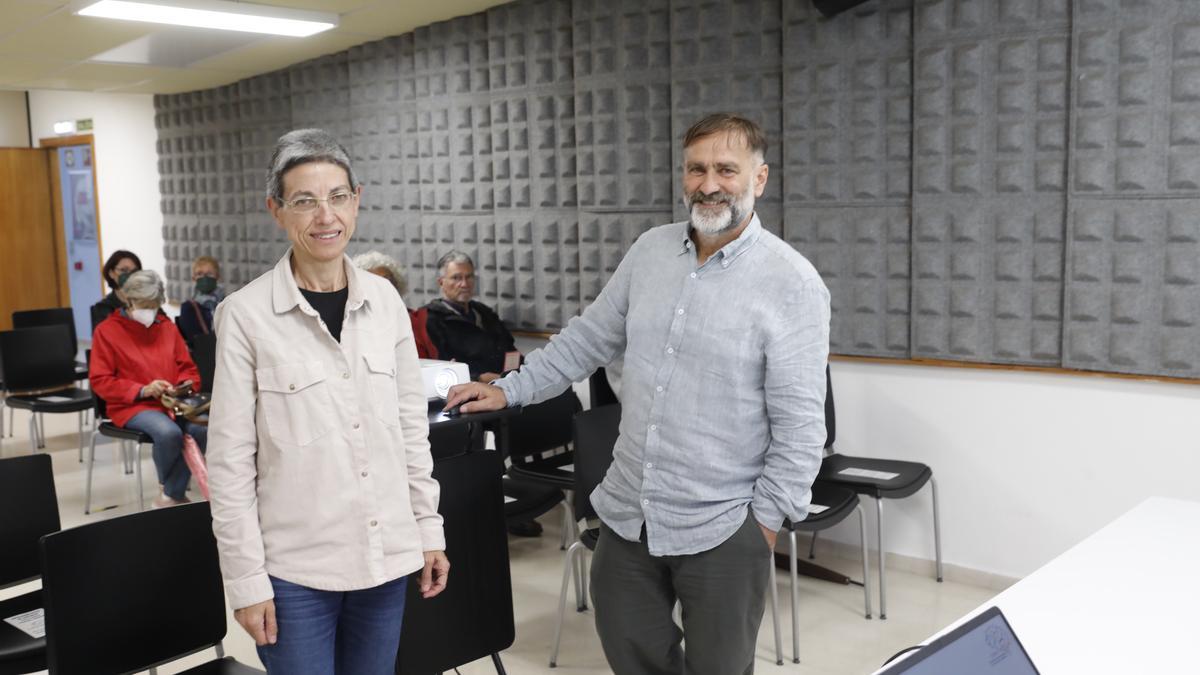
{"points": [[1125, 600]]}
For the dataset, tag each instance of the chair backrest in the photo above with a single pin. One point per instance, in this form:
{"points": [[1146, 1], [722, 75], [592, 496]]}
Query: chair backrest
{"points": [[31, 318], [204, 353], [542, 426], [830, 414], [130, 593], [596, 431], [28, 510], [26, 364], [599, 390]]}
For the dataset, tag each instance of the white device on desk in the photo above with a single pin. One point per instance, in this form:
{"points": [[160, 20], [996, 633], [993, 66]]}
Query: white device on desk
{"points": [[439, 376]]}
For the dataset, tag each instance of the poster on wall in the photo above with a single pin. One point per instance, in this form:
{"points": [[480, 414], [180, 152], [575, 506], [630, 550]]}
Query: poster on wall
{"points": [[83, 199]]}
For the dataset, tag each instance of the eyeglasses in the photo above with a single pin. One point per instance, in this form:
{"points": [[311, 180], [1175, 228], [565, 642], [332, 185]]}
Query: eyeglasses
{"points": [[337, 200]]}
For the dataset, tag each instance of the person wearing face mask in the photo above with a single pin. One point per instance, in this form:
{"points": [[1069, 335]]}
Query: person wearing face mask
{"points": [[137, 356], [195, 315], [117, 268]]}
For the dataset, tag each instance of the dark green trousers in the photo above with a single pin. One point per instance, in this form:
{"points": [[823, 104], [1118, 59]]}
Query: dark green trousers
{"points": [[722, 593]]}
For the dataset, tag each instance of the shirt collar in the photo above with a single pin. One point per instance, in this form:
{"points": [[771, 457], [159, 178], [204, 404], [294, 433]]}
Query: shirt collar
{"points": [[285, 293], [733, 249]]}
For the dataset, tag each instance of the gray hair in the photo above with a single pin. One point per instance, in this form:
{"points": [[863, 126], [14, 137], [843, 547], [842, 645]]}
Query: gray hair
{"points": [[144, 286], [373, 260], [455, 256], [301, 146]]}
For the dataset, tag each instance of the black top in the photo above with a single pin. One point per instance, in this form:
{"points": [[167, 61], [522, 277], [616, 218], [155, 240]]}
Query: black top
{"points": [[475, 336], [196, 319], [103, 309], [331, 307]]}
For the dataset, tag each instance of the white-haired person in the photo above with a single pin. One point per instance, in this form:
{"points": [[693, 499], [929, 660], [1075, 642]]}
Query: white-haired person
{"points": [[322, 488], [137, 356], [383, 265]]}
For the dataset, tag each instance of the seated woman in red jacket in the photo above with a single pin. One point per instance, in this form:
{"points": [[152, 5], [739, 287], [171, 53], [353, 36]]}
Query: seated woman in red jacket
{"points": [[137, 355], [383, 265]]}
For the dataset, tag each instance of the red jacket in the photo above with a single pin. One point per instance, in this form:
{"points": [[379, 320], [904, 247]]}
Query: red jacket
{"points": [[127, 356], [425, 346]]}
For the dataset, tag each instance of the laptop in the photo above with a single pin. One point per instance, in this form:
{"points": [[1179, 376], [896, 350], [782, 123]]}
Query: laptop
{"points": [[985, 645]]}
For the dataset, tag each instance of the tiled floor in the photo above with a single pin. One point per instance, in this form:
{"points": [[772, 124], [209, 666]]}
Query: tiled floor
{"points": [[834, 637]]}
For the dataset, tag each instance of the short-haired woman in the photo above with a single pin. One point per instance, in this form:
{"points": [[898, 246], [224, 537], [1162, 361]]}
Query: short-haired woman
{"points": [[383, 265], [323, 498], [196, 313], [117, 269], [137, 356]]}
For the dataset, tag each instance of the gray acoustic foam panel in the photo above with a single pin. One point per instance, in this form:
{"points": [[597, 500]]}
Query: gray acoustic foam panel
{"points": [[726, 56], [1003, 181], [625, 167], [989, 174], [1133, 263], [846, 165]]}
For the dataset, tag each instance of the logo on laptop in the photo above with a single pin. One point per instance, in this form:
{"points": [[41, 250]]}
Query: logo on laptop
{"points": [[997, 638]]}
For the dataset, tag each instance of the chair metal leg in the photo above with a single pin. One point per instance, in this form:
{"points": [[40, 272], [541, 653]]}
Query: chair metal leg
{"points": [[127, 452], [793, 563], [937, 530], [578, 578], [141, 490], [774, 597], [33, 434], [11, 428], [812, 546], [80, 436], [862, 535], [87, 489], [220, 647], [882, 575], [569, 569], [41, 430], [567, 527]]}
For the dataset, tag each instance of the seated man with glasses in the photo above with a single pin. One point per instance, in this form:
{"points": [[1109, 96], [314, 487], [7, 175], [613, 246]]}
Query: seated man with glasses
{"points": [[464, 329]]}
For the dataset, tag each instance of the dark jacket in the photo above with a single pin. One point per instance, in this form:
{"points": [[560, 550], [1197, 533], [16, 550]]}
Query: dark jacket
{"points": [[480, 343], [103, 309], [194, 319]]}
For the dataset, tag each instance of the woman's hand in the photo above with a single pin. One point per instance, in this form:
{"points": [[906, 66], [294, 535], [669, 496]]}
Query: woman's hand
{"points": [[259, 622], [435, 574], [156, 388]]}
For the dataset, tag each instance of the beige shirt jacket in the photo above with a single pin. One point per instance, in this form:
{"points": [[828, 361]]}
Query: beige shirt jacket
{"points": [[318, 451]]}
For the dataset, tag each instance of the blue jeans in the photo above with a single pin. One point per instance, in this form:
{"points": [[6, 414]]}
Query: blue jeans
{"points": [[344, 632], [168, 433]]}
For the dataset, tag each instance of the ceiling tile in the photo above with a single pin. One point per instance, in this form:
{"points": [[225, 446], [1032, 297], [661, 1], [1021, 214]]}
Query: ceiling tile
{"points": [[73, 38], [273, 53], [395, 18]]}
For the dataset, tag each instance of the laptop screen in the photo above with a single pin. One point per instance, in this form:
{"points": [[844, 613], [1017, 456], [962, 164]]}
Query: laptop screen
{"points": [[986, 645]]}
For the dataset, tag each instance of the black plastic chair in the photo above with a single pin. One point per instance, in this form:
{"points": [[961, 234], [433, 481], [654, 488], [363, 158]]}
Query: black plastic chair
{"points": [[540, 429], [123, 436], [41, 380], [204, 354], [28, 510], [55, 316], [600, 391], [150, 565], [880, 479], [595, 433]]}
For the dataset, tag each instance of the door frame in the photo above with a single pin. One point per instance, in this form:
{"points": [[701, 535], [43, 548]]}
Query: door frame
{"points": [[51, 146]]}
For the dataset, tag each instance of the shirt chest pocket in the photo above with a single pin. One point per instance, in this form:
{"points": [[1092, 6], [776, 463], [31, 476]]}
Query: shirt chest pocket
{"points": [[295, 402], [381, 378]]}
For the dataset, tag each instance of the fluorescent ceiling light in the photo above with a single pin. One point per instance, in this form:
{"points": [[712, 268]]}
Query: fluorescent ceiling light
{"points": [[217, 14]]}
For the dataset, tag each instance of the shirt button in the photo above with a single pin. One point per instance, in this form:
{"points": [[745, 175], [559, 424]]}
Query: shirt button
{"points": [[670, 350], [374, 523], [645, 502], [292, 387], [364, 474], [693, 275], [345, 376], [649, 465], [356, 425], [653, 427], [658, 389], [679, 311]]}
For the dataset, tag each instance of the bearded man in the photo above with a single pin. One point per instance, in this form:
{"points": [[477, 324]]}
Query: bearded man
{"points": [[725, 333]]}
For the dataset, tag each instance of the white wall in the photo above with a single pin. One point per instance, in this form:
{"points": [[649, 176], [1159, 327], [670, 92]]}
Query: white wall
{"points": [[1027, 464], [14, 122], [126, 164]]}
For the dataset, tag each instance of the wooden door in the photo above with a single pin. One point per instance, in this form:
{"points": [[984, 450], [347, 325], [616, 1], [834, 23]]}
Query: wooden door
{"points": [[29, 255]]}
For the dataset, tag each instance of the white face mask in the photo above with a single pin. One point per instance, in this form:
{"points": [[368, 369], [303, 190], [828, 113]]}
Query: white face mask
{"points": [[143, 316]]}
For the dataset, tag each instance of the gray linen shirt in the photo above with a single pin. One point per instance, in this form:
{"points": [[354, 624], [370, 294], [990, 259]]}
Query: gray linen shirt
{"points": [[723, 397]]}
